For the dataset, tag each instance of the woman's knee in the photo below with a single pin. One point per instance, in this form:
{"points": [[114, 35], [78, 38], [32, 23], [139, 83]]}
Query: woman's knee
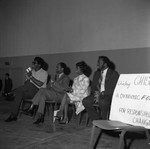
{"points": [[41, 90], [88, 101]]}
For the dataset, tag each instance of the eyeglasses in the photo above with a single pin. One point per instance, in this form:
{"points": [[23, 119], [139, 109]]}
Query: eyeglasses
{"points": [[34, 63]]}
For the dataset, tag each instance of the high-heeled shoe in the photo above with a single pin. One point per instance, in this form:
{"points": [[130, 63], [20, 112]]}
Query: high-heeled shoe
{"points": [[39, 120], [64, 122], [32, 110], [58, 115]]}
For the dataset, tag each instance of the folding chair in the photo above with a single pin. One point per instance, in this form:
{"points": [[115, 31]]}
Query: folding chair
{"points": [[29, 101], [118, 127], [121, 119], [72, 114], [22, 106], [50, 106], [97, 108]]}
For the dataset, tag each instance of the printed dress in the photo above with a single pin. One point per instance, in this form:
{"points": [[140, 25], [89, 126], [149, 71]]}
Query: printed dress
{"points": [[80, 91]]}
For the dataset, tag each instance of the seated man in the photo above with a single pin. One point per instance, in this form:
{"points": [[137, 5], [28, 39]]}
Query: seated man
{"points": [[36, 78], [54, 92], [106, 85]]}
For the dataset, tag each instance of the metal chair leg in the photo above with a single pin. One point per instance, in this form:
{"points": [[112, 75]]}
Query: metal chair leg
{"points": [[87, 120], [21, 108], [98, 138], [148, 138], [121, 142], [93, 145], [92, 137], [79, 118]]}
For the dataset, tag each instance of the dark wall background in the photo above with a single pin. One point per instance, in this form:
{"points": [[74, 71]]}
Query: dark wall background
{"points": [[126, 60]]}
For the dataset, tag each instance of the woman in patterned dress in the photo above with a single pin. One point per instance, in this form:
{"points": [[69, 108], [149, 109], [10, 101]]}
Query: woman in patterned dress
{"points": [[76, 93]]}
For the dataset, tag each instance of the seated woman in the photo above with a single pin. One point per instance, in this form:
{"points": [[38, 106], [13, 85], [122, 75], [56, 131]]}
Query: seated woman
{"points": [[75, 94]]}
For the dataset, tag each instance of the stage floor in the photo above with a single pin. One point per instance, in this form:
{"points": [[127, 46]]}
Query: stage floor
{"points": [[22, 134]]}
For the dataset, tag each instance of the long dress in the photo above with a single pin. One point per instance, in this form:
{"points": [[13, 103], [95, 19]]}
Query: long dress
{"points": [[80, 91]]}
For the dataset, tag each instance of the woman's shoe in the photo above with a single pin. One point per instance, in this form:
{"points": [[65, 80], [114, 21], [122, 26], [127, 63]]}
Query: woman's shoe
{"points": [[32, 110], [58, 115], [64, 122], [39, 120]]}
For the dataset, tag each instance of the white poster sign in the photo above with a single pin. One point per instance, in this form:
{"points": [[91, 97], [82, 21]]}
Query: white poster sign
{"points": [[131, 100]]}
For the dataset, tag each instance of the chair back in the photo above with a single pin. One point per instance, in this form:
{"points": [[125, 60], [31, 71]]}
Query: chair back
{"points": [[48, 78]]}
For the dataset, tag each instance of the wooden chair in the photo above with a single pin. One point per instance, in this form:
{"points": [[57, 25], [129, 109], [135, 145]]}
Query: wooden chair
{"points": [[122, 122], [29, 101], [22, 106], [115, 126], [81, 116], [50, 107], [72, 114], [97, 108]]}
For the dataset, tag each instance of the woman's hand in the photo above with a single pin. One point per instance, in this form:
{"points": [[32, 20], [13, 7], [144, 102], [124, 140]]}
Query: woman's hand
{"points": [[69, 89], [28, 74]]}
